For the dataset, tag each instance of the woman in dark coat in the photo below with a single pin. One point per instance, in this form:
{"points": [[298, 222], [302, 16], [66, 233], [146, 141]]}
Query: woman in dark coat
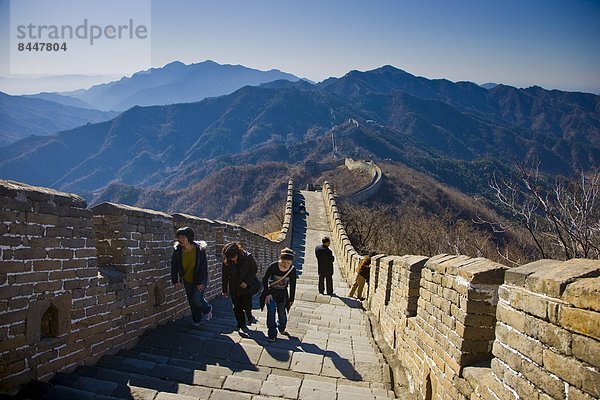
{"points": [[239, 271]]}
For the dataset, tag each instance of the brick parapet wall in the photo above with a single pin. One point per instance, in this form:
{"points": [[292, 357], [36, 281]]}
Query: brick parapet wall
{"points": [[77, 283], [448, 318], [548, 331]]}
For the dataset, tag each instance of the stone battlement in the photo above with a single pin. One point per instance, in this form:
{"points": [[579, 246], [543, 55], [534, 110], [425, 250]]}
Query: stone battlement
{"points": [[78, 283], [461, 327]]}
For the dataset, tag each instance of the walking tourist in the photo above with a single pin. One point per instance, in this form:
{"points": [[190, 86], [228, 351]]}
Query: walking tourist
{"points": [[280, 276], [239, 271], [189, 265]]}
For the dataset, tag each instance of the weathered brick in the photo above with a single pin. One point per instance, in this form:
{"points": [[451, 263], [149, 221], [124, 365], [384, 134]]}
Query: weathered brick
{"points": [[484, 271], [543, 380], [61, 275], [28, 277], [16, 290], [576, 394], [549, 334], [553, 280], [521, 385], [529, 302], [511, 316], [16, 266], [573, 371], [586, 349], [584, 293], [11, 241], [581, 321], [46, 265], [47, 286], [25, 230], [29, 254], [42, 219], [44, 242]]}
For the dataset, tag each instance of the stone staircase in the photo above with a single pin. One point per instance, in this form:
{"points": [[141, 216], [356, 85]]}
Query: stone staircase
{"points": [[328, 351]]}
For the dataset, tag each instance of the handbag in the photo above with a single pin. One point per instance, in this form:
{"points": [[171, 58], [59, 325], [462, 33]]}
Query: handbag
{"points": [[254, 286]]}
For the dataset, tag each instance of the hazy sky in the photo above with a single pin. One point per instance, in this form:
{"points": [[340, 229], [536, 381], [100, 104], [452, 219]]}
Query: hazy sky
{"points": [[551, 43]]}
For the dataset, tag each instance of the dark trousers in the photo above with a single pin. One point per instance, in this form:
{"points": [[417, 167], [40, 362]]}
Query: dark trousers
{"points": [[242, 308], [329, 279]]}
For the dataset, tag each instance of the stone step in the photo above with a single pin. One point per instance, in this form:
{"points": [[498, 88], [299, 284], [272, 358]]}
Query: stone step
{"points": [[59, 392]]}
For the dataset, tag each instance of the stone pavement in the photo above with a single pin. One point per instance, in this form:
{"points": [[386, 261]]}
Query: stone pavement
{"points": [[327, 353]]}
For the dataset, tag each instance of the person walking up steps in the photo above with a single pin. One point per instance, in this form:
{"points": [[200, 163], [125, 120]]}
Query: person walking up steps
{"points": [[189, 265], [325, 260], [239, 270], [279, 276]]}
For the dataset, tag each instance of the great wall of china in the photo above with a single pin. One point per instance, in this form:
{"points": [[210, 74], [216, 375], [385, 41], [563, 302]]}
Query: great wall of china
{"points": [[460, 327], [78, 283]]}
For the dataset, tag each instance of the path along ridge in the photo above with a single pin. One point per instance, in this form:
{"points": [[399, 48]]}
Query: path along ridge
{"points": [[328, 352]]}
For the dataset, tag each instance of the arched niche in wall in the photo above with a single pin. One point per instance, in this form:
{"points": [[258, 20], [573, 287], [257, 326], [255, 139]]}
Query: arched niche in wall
{"points": [[48, 318]]}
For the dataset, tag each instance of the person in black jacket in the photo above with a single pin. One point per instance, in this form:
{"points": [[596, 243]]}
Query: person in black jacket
{"points": [[325, 260], [279, 276], [189, 265], [239, 270]]}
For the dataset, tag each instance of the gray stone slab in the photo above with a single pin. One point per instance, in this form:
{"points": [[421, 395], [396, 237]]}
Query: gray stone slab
{"points": [[94, 385], [217, 349], [317, 390], [354, 396], [338, 367], [173, 396], [198, 392], [368, 372], [135, 392], [220, 394], [281, 386], [242, 384], [246, 353], [208, 379], [306, 363], [275, 358]]}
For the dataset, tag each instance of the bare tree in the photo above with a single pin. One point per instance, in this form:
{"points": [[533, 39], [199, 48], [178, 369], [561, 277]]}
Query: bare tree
{"points": [[562, 219], [364, 225]]}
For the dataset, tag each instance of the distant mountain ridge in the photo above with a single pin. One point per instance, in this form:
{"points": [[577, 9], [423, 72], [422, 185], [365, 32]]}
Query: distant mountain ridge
{"points": [[176, 82], [435, 126], [22, 116]]}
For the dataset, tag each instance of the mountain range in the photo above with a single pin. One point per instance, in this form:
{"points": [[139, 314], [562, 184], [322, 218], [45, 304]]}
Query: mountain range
{"points": [[22, 116], [455, 132], [176, 82]]}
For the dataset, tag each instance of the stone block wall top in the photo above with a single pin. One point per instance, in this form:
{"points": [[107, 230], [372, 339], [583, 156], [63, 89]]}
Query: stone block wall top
{"points": [[186, 217], [473, 270], [550, 277], [518, 276], [413, 263], [584, 293], [23, 192], [120, 209]]}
